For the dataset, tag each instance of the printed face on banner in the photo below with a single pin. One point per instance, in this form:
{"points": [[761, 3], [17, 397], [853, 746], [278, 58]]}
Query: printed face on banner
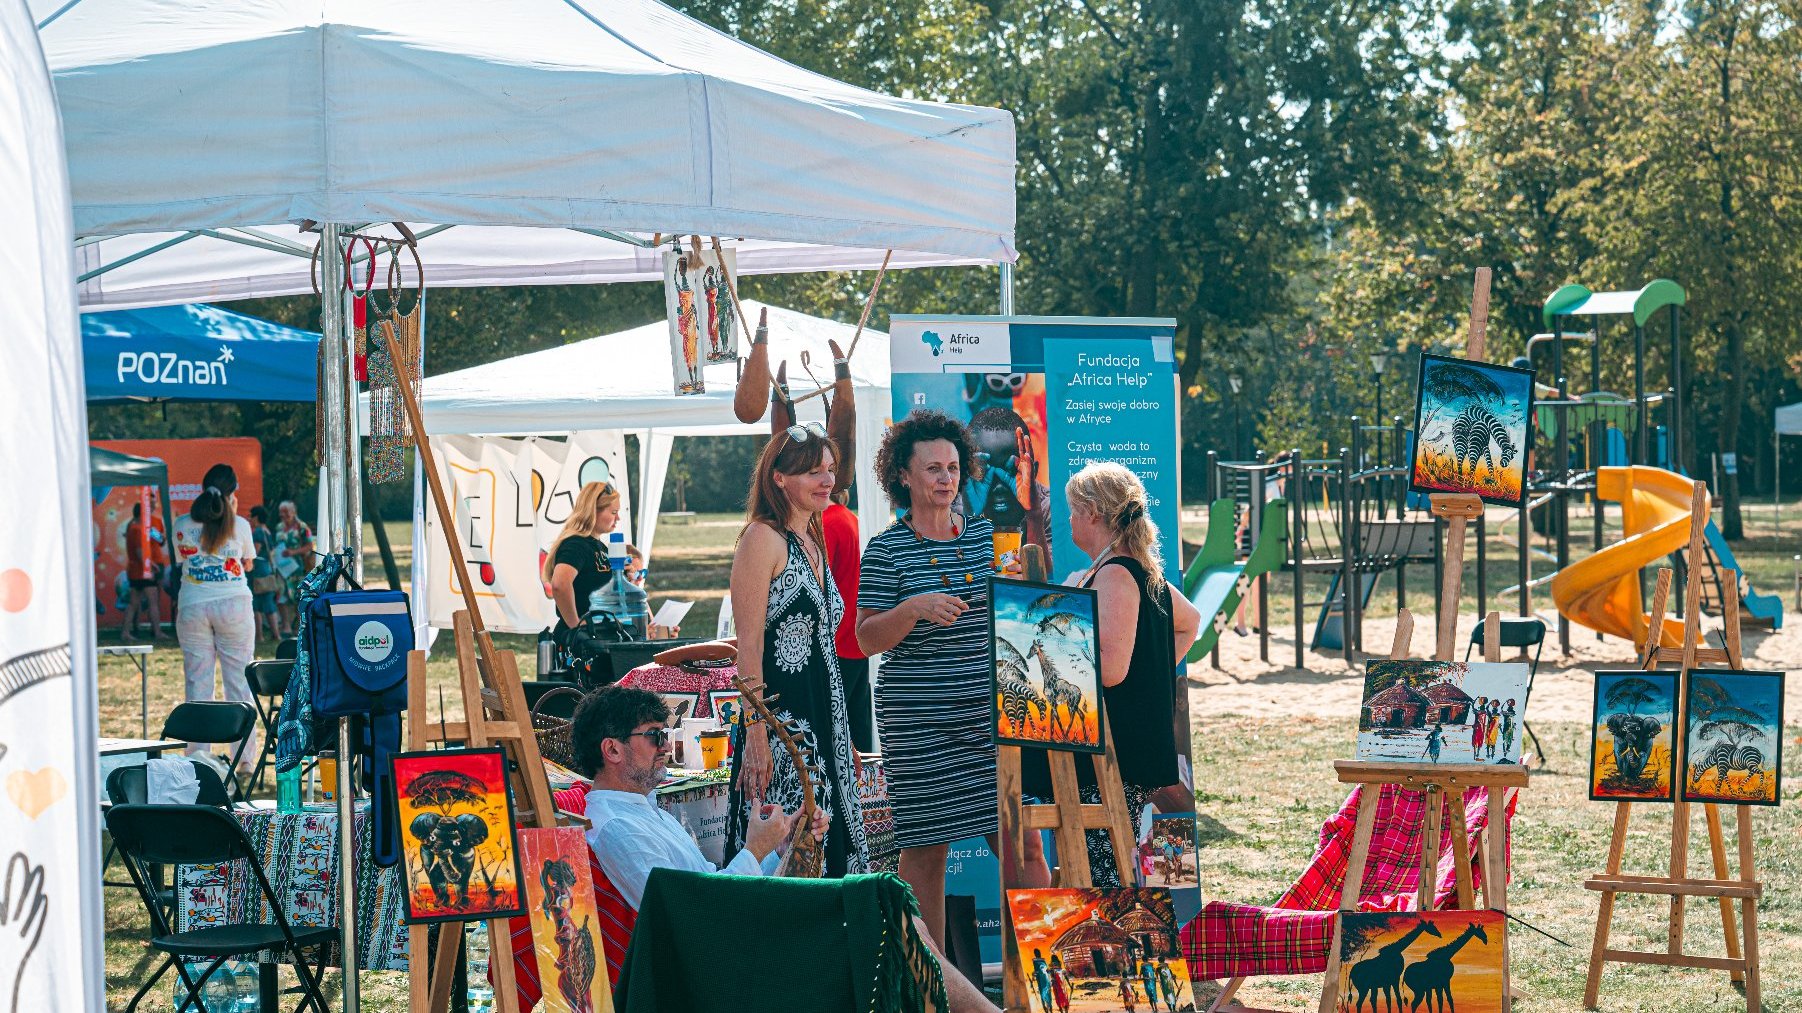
{"points": [[457, 840], [1442, 960], [698, 303], [1473, 426], [1442, 712], [1093, 950], [1630, 752], [572, 966], [1733, 740], [1045, 656]]}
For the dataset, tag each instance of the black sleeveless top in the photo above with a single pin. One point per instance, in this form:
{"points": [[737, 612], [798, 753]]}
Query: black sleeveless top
{"points": [[1141, 709]]}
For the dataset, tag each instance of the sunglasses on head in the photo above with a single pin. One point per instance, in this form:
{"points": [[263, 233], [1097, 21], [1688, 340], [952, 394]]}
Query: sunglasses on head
{"points": [[800, 431]]}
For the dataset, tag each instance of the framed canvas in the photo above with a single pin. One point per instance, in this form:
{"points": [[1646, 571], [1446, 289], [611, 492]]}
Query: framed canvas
{"points": [[681, 705], [1733, 737], [1045, 665], [1631, 737], [724, 705], [702, 321], [572, 964], [1473, 429], [458, 847], [1437, 960], [1083, 950], [1417, 711]]}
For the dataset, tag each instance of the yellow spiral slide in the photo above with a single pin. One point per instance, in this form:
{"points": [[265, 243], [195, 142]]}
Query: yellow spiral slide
{"points": [[1602, 591]]}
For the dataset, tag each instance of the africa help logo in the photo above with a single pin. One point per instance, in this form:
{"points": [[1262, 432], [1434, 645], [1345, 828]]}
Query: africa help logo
{"points": [[926, 345], [374, 642]]}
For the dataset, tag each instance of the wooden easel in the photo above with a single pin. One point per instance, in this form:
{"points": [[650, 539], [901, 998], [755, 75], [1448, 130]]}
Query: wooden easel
{"points": [[1678, 884], [1068, 817], [495, 714]]}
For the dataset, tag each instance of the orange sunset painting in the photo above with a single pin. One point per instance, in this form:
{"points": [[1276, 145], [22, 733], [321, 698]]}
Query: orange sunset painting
{"points": [[566, 935], [1096, 950], [1440, 962], [1043, 651], [457, 838], [1473, 429]]}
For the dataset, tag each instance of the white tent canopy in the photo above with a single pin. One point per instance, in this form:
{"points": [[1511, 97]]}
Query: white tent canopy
{"points": [[1789, 419], [619, 116], [624, 381]]}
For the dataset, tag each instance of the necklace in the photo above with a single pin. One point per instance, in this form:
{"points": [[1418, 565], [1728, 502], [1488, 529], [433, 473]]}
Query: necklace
{"points": [[956, 533]]}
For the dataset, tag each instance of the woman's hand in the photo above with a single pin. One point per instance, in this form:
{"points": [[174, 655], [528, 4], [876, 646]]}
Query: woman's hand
{"points": [[938, 609], [754, 763]]}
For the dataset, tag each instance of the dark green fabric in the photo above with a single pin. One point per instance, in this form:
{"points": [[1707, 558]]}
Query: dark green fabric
{"points": [[708, 943]]}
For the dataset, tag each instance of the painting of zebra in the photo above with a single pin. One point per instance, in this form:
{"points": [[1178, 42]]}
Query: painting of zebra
{"points": [[1473, 426], [1045, 684], [1733, 737]]}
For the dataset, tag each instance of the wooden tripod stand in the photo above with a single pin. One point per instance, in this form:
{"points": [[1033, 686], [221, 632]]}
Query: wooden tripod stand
{"points": [[1067, 816], [1678, 884]]}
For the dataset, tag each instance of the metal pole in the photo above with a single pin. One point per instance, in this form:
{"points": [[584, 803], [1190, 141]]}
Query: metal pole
{"points": [[1346, 573], [1297, 489], [353, 446], [1642, 436], [1561, 459], [1676, 437], [1007, 289], [331, 323], [347, 878]]}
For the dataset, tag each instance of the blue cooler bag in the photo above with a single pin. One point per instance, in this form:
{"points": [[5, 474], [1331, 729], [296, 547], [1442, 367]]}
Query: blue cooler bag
{"points": [[358, 641]]}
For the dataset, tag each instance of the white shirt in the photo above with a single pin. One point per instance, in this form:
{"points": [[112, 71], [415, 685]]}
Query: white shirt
{"points": [[213, 576], [631, 835]]}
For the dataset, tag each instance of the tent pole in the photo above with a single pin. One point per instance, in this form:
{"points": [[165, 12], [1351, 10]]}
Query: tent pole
{"points": [[1007, 289]]}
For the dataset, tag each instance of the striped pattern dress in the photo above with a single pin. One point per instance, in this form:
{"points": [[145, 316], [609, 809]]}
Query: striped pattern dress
{"points": [[932, 693]]}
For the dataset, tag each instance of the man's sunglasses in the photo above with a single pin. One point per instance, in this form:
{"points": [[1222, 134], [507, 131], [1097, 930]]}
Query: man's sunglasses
{"points": [[659, 737]]}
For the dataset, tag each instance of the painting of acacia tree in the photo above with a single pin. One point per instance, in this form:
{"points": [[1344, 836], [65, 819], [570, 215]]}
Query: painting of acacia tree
{"points": [[1631, 738], [1473, 426], [1733, 737]]}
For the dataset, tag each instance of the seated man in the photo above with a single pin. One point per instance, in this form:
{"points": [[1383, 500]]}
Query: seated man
{"points": [[619, 738]]}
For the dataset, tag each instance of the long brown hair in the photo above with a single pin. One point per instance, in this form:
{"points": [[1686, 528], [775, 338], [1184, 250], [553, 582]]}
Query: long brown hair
{"points": [[589, 501], [213, 509], [766, 503]]}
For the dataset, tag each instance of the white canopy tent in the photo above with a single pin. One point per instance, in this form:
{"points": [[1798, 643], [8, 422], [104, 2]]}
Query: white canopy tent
{"points": [[623, 381], [51, 953], [1787, 421]]}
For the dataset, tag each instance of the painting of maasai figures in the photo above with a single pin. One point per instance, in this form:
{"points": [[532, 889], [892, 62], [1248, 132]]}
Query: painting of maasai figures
{"points": [[1443, 712], [1045, 655], [457, 843], [1092, 950], [1630, 755], [1473, 425], [698, 303], [1733, 737], [1167, 854], [1439, 961], [566, 936]]}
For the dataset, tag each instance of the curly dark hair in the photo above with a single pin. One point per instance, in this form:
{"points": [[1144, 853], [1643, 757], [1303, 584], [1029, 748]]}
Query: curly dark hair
{"points": [[922, 425], [610, 712]]}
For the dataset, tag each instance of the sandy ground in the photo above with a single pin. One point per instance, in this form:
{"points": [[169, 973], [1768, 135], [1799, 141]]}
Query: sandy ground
{"points": [[1330, 686]]}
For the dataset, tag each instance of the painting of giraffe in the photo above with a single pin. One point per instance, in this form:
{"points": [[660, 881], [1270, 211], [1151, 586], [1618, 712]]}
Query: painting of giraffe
{"points": [[1421, 962], [1473, 429], [1046, 683]]}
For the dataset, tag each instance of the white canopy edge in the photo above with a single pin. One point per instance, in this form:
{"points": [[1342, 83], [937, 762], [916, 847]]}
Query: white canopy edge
{"points": [[1789, 419]]}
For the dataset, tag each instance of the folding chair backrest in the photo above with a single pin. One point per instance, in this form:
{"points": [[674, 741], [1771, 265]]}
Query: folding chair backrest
{"points": [[210, 721], [128, 786], [177, 834], [1516, 632], [287, 649], [268, 678]]}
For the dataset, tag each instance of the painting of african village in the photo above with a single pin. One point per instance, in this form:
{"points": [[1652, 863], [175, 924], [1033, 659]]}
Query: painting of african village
{"points": [[1045, 656], [1094, 950], [1630, 755], [1440, 961], [1733, 737], [1443, 712], [1474, 424]]}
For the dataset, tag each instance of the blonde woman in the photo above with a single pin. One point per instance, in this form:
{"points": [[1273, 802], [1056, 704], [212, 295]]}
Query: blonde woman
{"points": [[576, 565], [1146, 625]]}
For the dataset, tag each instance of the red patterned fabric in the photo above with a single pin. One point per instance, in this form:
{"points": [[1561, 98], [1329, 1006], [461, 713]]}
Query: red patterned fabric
{"points": [[1294, 935], [676, 679]]}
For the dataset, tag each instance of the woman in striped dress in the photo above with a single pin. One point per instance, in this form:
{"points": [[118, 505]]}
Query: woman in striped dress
{"points": [[923, 602]]}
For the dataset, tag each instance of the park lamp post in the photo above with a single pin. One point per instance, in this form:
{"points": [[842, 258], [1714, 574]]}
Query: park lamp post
{"points": [[1378, 360], [1234, 382]]}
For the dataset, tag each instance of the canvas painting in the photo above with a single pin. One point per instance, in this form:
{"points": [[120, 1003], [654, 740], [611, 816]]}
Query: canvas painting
{"points": [[1045, 656], [1631, 737], [457, 841], [1088, 950], [702, 320], [681, 705], [1167, 852], [1473, 422], [566, 938], [1443, 711], [1438, 961], [1733, 737], [725, 706]]}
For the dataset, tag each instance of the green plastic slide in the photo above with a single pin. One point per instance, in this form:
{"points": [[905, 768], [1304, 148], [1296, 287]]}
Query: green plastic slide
{"points": [[1216, 580]]}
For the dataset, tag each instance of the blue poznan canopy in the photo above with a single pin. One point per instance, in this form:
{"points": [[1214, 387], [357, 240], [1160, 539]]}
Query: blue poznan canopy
{"points": [[195, 353]]}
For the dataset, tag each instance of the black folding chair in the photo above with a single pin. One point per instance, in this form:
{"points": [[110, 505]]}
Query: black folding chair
{"points": [[287, 649], [129, 786], [268, 681], [213, 722], [1520, 633], [195, 835]]}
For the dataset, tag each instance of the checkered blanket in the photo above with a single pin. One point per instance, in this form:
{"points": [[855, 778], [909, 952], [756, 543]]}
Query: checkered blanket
{"points": [[1293, 936]]}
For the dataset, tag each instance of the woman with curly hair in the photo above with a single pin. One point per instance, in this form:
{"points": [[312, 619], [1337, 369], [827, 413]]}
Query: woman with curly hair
{"points": [[923, 601]]}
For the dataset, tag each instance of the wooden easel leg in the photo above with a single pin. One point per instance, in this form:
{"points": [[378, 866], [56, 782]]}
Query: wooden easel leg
{"points": [[1226, 995], [1072, 840], [1351, 891], [1617, 846], [1427, 885], [418, 969], [1717, 847], [500, 966], [1012, 835], [1461, 851], [444, 966], [1679, 867], [1742, 829], [1495, 869]]}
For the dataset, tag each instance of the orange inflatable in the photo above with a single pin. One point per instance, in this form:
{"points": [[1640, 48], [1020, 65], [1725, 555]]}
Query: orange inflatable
{"points": [[1602, 591]]}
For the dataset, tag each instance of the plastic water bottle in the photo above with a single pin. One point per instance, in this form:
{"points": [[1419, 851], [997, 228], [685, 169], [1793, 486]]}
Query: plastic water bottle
{"points": [[224, 989], [481, 996], [287, 790]]}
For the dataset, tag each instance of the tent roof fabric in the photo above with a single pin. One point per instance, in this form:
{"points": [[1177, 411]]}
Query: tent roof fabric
{"points": [[625, 381], [625, 115], [1789, 419], [196, 352], [110, 467]]}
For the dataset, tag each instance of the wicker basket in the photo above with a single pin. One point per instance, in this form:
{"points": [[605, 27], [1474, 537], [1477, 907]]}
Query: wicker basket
{"points": [[553, 730]]}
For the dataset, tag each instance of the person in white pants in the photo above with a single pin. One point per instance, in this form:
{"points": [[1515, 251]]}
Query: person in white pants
{"points": [[213, 619]]}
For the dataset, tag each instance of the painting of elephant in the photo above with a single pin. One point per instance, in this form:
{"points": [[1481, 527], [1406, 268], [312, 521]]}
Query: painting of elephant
{"points": [[459, 848], [1630, 751]]}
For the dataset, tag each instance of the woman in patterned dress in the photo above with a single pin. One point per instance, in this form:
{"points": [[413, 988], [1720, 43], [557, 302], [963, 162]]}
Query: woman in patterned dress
{"points": [[786, 608], [923, 601]]}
